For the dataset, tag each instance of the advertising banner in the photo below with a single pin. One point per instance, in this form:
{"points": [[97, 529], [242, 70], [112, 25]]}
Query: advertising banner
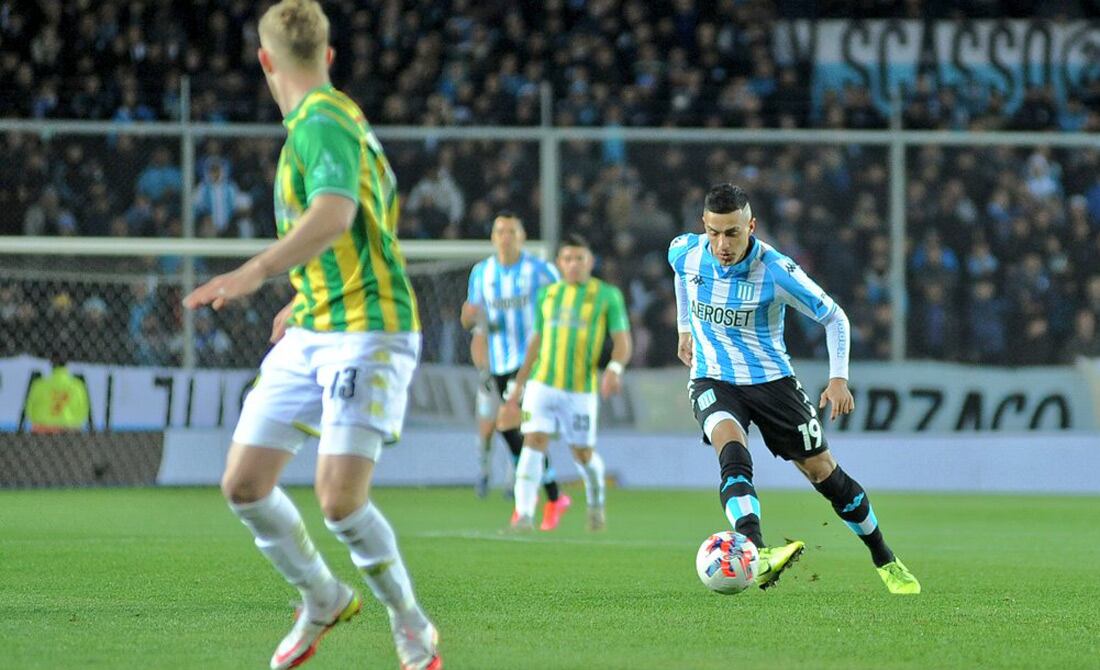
{"points": [[911, 397], [974, 56]]}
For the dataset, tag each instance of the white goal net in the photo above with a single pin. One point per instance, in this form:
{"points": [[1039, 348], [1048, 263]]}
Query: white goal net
{"points": [[118, 302]]}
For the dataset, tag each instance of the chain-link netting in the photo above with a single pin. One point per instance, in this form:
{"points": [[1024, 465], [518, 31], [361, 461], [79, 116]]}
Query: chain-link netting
{"points": [[128, 311], [80, 459]]}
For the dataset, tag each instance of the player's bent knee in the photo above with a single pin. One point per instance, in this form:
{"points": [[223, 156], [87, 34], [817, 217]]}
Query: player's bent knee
{"points": [[342, 484], [338, 507], [726, 430], [539, 441], [582, 455], [818, 467], [251, 473], [240, 490]]}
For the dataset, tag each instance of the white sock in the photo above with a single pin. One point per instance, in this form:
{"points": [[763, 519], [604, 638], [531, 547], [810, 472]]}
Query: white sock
{"points": [[529, 471], [593, 474], [282, 537], [374, 551]]}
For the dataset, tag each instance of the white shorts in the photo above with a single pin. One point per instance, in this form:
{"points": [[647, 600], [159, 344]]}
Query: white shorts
{"points": [[570, 415], [352, 386]]}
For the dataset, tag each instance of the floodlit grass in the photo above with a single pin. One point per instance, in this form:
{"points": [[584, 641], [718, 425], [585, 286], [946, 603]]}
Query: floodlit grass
{"points": [[168, 578]]}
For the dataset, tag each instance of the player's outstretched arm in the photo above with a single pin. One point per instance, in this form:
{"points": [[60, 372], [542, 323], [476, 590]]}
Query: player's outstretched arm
{"points": [[329, 216]]}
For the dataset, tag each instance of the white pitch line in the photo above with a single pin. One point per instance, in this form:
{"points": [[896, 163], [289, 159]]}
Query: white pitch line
{"points": [[505, 537]]}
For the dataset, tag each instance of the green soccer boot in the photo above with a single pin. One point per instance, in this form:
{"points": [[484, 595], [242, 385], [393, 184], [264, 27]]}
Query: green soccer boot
{"points": [[774, 560]]}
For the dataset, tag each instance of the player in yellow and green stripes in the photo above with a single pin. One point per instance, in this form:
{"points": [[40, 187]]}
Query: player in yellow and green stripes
{"points": [[359, 283], [345, 347], [558, 379]]}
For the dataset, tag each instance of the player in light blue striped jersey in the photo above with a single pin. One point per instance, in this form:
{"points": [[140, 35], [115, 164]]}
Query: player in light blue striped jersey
{"points": [[500, 302], [732, 291]]}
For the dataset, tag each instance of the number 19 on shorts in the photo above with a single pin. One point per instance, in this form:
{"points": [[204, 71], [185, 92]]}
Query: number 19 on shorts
{"points": [[811, 434]]}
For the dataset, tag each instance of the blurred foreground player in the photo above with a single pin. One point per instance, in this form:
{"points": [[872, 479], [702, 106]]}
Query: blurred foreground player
{"points": [[346, 347]]}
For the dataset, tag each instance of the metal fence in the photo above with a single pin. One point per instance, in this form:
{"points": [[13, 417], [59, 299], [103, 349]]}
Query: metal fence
{"points": [[846, 203]]}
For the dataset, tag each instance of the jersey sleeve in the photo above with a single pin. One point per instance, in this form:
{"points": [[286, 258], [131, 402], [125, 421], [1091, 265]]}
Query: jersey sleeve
{"points": [[795, 288], [683, 310], [549, 274], [617, 318], [330, 157], [678, 248]]}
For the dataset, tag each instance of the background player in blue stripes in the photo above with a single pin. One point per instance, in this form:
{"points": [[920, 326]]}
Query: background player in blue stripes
{"points": [[501, 302], [731, 295]]}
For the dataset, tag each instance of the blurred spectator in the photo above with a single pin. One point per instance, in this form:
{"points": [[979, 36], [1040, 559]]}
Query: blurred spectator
{"points": [[101, 340], [935, 331], [218, 197], [212, 345], [980, 262], [18, 320], [1084, 341], [160, 177], [437, 200], [57, 402], [652, 224], [1033, 345], [1043, 177], [139, 217], [986, 316], [1092, 197], [132, 109], [152, 344], [48, 217]]}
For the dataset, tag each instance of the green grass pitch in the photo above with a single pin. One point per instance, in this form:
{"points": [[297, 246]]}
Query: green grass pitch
{"points": [[168, 578]]}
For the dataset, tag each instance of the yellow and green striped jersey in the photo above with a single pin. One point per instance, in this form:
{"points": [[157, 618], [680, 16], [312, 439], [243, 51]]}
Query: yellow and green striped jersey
{"points": [[573, 321], [360, 282]]}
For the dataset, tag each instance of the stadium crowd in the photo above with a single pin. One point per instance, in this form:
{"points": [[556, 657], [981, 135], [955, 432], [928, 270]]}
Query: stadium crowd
{"points": [[1000, 241]]}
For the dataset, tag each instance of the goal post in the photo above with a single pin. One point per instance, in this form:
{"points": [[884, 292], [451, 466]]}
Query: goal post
{"points": [[116, 301]]}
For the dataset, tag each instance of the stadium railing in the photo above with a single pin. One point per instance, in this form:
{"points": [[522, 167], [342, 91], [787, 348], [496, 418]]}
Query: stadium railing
{"points": [[549, 141]]}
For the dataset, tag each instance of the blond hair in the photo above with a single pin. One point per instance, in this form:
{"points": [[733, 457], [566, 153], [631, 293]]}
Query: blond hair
{"points": [[297, 29]]}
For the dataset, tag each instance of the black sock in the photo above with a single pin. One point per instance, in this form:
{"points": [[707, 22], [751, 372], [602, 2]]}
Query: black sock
{"points": [[551, 486], [514, 439], [852, 505], [737, 492]]}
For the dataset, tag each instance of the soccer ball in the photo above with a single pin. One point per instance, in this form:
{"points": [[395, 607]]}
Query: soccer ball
{"points": [[727, 562]]}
